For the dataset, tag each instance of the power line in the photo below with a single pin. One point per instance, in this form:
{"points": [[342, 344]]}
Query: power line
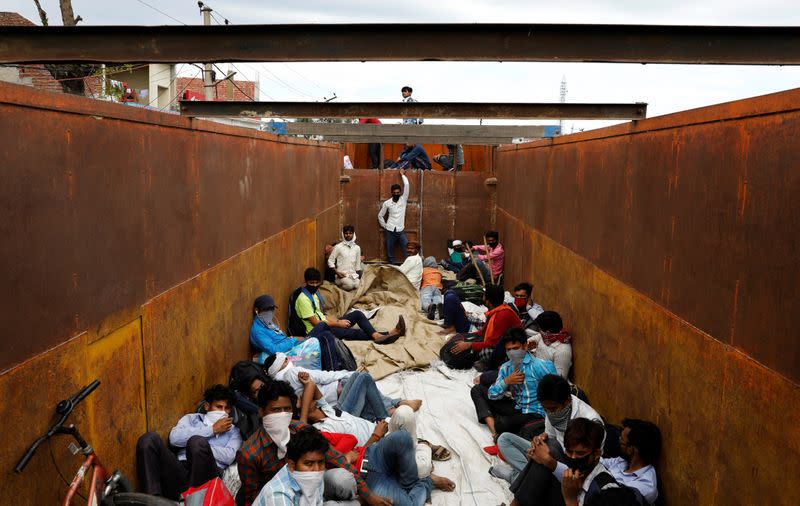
{"points": [[160, 11], [188, 82]]}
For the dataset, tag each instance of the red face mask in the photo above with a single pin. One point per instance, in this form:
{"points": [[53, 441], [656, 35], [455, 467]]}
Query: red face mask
{"points": [[520, 301]]}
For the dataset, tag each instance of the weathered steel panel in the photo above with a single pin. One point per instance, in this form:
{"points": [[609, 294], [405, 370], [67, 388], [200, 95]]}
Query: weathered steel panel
{"points": [[697, 210], [106, 206], [636, 359], [211, 314]]}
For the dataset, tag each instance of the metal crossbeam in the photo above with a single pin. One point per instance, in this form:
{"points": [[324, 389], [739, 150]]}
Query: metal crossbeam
{"points": [[739, 45], [419, 134], [464, 110]]}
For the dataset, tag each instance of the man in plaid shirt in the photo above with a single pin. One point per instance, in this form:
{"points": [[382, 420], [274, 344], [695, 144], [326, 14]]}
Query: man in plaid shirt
{"points": [[264, 453]]}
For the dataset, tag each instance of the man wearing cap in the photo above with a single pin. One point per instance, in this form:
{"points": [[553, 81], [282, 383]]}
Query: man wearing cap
{"points": [[268, 338], [458, 257]]}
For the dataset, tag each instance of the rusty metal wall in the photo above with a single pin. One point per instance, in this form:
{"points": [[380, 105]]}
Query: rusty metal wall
{"points": [[669, 246], [106, 206], [730, 433], [442, 205], [697, 210]]}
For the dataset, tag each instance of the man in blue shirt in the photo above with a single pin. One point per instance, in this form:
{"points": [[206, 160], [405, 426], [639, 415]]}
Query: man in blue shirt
{"points": [[640, 444], [207, 443], [520, 376]]}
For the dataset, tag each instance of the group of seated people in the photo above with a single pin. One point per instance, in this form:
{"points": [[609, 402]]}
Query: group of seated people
{"points": [[414, 156], [304, 428]]}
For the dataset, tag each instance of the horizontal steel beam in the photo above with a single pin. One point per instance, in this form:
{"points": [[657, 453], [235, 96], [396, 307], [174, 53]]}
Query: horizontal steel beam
{"points": [[740, 45], [464, 110], [466, 141], [411, 131]]}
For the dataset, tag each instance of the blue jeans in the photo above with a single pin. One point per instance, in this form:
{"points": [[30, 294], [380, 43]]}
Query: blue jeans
{"points": [[454, 314], [362, 333], [327, 346], [360, 397], [429, 295], [392, 470], [393, 238]]}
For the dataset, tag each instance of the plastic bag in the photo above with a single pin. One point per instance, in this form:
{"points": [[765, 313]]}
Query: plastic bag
{"points": [[210, 493], [305, 354], [347, 163]]}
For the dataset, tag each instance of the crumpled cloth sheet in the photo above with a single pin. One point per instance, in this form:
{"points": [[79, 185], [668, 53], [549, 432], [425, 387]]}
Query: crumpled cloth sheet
{"points": [[387, 287], [447, 417]]}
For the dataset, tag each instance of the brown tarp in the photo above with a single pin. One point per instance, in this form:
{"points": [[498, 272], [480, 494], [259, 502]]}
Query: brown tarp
{"points": [[387, 287]]}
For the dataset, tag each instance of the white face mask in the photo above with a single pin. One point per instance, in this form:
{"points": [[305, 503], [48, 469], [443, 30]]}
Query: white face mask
{"points": [[310, 484], [213, 417], [277, 426]]}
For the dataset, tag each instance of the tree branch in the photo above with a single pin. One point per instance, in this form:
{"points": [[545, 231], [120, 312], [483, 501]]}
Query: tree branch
{"points": [[42, 13]]}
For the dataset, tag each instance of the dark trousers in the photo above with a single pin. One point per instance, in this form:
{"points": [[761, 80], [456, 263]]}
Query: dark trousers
{"points": [[374, 154], [393, 238], [363, 333], [504, 411], [454, 314], [536, 485], [327, 346], [469, 271], [160, 471]]}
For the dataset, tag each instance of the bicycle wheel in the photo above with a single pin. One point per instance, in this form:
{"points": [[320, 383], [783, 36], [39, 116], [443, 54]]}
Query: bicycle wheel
{"points": [[136, 499]]}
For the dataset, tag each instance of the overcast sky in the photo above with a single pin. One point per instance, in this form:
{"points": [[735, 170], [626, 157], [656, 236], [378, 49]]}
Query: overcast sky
{"points": [[666, 88]]}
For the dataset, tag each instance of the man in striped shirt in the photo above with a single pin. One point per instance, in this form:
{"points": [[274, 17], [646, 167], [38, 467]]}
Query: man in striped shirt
{"points": [[264, 453]]}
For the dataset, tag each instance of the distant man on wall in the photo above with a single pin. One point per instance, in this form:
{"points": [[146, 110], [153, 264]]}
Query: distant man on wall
{"points": [[413, 156], [373, 147], [394, 226], [345, 260], [407, 91], [455, 153]]}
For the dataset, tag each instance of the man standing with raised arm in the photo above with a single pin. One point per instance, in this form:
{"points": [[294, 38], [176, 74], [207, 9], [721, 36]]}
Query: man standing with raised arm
{"points": [[394, 225]]}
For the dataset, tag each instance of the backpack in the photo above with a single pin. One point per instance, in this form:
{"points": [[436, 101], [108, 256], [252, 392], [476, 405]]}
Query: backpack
{"points": [[469, 293], [243, 373], [347, 362], [605, 482], [295, 325], [458, 360]]}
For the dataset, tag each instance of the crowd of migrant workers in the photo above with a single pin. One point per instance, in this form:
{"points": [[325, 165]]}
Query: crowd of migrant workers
{"points": [[305, 428]]}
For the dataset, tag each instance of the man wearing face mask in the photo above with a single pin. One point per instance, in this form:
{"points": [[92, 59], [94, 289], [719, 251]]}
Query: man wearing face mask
{"points": [[264, 453], [301, 481], [394, 226], [552, 341], [640, 444], [580, 473], [527, 309], [310, 308], [268, 338], [561, 408], [207, 444], [345, 260], [520, 376]]}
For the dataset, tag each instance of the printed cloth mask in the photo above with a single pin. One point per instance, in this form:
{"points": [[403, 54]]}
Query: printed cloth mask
{"points": [[277, 426], [266, 316], [516, 357], [560, 418], [309, 482]]}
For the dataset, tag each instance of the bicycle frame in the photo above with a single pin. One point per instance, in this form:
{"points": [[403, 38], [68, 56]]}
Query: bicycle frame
{"points": [[97, 484]]}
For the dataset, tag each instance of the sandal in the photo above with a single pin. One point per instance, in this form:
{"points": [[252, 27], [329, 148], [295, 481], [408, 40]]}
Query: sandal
{"points": [[438, 453]]}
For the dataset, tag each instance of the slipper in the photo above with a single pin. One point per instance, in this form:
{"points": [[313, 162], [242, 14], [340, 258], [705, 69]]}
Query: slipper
{"points": [[389, 339], [440, 453], [491, 450]]}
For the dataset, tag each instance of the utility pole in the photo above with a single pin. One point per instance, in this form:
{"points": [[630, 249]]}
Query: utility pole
{"points": [[563, 99], [208, 84]]}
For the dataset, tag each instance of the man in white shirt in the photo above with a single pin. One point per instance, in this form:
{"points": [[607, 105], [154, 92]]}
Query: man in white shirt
{"points": [[394, 226], [345, 260], [412, 265]]}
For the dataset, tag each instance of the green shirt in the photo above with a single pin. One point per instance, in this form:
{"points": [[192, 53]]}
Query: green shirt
{"points": [[305, 310]]}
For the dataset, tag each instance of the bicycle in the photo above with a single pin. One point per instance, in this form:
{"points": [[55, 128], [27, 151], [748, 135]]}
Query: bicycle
{"points": [[106, 489]]}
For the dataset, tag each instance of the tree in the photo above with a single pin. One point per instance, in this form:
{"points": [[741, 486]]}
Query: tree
{"points": [[69, 75]]}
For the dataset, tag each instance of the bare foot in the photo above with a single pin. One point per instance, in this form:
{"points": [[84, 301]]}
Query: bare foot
{"points": [[414, 404], [477, 380], [442, 483]]}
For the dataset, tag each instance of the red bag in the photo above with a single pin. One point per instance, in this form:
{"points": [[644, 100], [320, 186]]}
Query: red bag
{"points": [[210, 493]]}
